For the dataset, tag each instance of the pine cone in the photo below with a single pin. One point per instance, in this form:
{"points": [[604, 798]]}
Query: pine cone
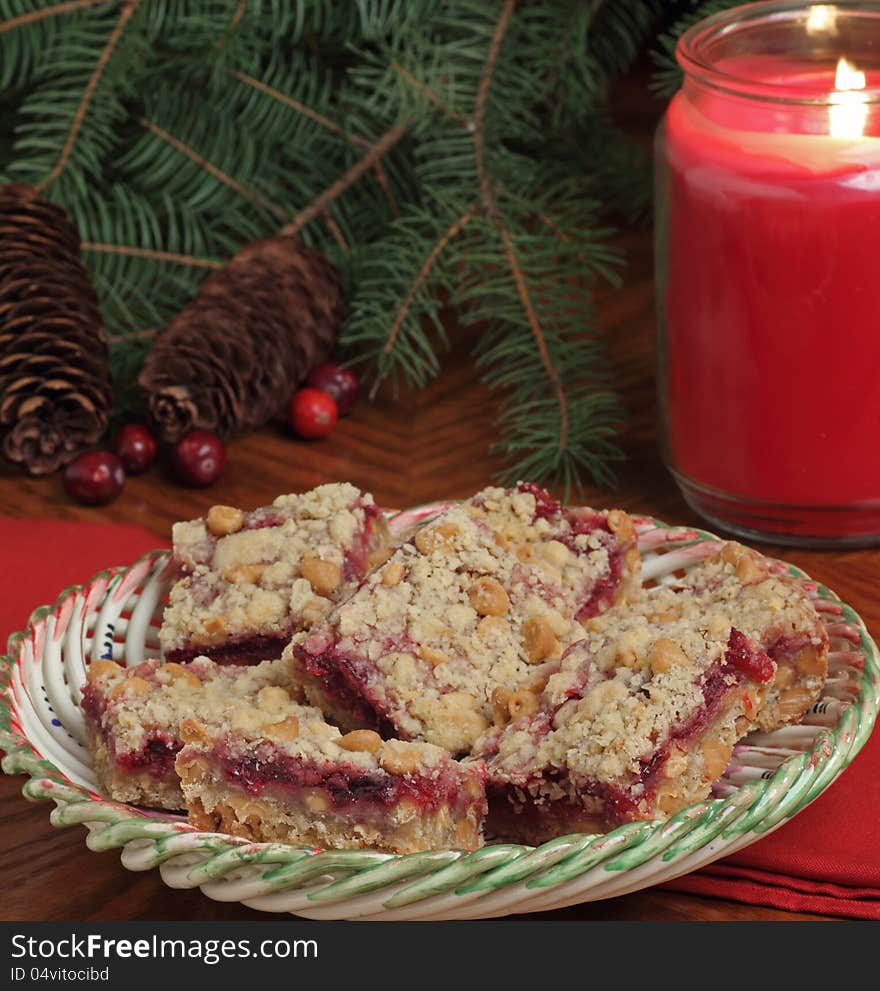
{"points": [[55, 390], [231, 359]]}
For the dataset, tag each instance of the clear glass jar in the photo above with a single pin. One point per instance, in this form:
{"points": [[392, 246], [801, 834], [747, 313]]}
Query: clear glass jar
{"points": [[767, 240]]}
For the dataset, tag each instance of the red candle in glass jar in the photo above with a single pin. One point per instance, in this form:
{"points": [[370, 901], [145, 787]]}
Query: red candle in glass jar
{"points": [[769, 289]]}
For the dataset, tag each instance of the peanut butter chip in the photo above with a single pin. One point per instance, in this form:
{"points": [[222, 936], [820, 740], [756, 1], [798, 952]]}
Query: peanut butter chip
{"points": [[192, 731], [743, 562], [432, 656], [434, 538], [500, 711], [177, 672], [101, 668], [244, 574], [488, 597], [287, 729], [399, 757], [223, 520], [272, 699], [747, 571], [130, 687], [324, 576], [508, 706], [716, 757], [621, 524], [492, 627], [392, 573], [365, 740], [315, 610], [539, 640], [522, 703], [665, 655]]}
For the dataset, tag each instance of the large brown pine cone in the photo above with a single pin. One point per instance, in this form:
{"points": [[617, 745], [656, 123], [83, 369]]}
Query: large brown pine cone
{"points": [[55, 390], [231, 359]]}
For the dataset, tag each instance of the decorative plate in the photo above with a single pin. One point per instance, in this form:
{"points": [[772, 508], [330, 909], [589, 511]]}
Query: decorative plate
{"points": [[117, 615]]}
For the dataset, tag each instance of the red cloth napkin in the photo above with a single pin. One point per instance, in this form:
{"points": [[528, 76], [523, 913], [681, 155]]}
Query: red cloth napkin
{"points": [[40, 558], [826, 860]]}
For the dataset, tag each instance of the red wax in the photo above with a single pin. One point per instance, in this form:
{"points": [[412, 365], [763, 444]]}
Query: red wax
{"points": [[770, 296]]}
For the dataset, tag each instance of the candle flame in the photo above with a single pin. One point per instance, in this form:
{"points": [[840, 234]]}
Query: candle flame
{"points": [[849, 113], [822, 19], [847, 76]]}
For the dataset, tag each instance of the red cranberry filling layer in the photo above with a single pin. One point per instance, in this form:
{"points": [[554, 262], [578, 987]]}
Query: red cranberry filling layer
{"points": [[156, 757], [749, 659], [358, 558], [344, 678], [347, 787], [93, 703], [605, 589], [743, 659], [264, 517], [583, 521], [242, 650], [546, 507], [786, 648]]}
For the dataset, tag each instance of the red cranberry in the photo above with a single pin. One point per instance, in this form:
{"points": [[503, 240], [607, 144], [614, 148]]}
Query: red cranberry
{"points": [[746, 657], [198, 458], [312, 413], [136, 447], [340, 383], [94, 477]]}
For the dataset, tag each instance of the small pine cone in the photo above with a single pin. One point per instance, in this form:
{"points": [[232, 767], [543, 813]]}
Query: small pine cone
{"points": [[55, 390], [231, 359]]}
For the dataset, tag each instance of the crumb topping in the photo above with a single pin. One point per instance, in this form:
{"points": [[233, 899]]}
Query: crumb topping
{"points": [[648, 667], [484, 595], [734, 588], [242, 709], [604, 724], [273, 571]]}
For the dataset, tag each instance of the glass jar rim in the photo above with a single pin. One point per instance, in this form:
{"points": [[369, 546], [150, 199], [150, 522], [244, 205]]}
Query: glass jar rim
{"points": [[692, 56]]}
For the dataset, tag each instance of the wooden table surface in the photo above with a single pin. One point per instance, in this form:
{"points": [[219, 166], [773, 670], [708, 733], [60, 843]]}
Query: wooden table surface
{"points": [[423, 446]]}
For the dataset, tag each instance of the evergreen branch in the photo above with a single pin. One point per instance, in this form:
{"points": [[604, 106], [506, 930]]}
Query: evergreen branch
{"points": [[376, 151], [128, 8], [430, 95], [287, 101], [421, 277], [237, 16], [491, 206], [398, 257], [537, 332], [214, 124], [325, 122], [480, 108], [551, 225], [335, 231], [154, 254], [34, 16], [668, 76], [210, 168]]}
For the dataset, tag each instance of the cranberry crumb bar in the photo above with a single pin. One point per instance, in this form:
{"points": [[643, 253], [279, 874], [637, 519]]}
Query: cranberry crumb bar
{"points": [[133, 718], [740, 587], [486, 595], [279, 772], [249, 581], [638, 722]]}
